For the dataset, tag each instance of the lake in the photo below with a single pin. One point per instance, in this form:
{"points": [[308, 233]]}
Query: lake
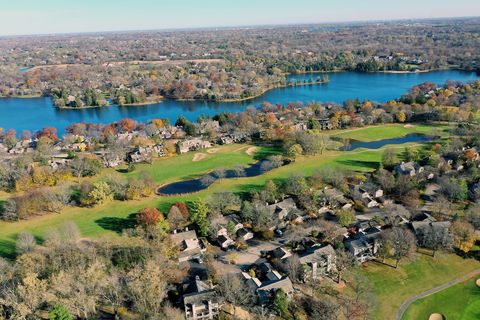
{"points": [[36, 113]]}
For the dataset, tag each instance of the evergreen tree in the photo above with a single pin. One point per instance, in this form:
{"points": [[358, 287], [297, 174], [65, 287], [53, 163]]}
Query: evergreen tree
{"points": [[59, 312]]}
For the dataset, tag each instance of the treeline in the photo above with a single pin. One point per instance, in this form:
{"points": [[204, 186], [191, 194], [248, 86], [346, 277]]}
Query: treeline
{"points": [[225, 64]]}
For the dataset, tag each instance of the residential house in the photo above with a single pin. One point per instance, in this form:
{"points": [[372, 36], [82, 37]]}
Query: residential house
{"points": [[201, 301], [192, 145], [409, 168], [317, 261], [279, 253], [267, 281], [364, 244], [281, 209], [244, 234], [189, 245]]}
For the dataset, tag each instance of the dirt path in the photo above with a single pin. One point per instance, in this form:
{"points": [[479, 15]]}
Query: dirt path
{"points": [[407, 303]]}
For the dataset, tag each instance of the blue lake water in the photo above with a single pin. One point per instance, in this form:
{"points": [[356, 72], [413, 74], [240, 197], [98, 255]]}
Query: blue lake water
{"points": [[414, 137], [34, 114]]}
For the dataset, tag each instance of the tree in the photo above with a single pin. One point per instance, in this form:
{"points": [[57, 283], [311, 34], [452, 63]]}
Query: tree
{"points": [[59, 312], [199, 216], [148, 217], [223, 203], [345, 217], [435, 238], [464, 235], [270, 192], [295, 184], [402, 242], [280, 303], [343, 261], [147, 288], [389, 158], [235, 290], [175, 218], [320, 309], [359, 305], [294, 151], [25, 243], [127, 125]]}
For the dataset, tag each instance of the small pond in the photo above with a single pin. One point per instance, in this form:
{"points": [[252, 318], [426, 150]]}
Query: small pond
{"points": [[195, 185], [355, 144]]}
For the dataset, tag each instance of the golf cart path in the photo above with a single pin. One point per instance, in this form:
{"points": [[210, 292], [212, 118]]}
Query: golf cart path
{"points": [[407, 303]]}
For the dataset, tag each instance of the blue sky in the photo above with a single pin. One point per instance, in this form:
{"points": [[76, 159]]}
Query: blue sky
{"points": [[62, 16]]}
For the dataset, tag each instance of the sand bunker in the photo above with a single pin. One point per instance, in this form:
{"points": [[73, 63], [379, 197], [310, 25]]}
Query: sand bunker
{"points": [[478, 282], [212, 150], [408, 126], [199, 157], [251, 151], [436, 316]]}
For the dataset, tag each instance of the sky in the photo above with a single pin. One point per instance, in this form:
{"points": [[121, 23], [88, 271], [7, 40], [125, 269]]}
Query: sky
{"points": [[18, 17]]}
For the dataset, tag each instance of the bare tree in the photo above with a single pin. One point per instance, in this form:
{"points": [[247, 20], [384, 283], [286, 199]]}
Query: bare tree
{"points": [[25, 243], [343, 261], [235, 290]]}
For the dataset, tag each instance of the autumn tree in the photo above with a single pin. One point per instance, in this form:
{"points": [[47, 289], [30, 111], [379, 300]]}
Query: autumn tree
{"points": [[127, 125], [464, 235], [148, 217]]}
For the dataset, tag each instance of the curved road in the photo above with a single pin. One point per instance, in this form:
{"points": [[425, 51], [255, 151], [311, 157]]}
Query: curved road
{"points": [[407, 303]]}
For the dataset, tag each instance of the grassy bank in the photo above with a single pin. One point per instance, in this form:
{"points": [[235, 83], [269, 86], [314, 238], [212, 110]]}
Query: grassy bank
{"points": [[459, 302], [393, 286]]}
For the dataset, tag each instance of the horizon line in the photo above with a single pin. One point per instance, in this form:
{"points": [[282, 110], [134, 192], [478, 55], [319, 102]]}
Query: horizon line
{"points": [[204, 28]]}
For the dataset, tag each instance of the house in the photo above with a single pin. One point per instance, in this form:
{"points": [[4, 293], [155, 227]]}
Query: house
{"points": [[190, 247], [244, 234], [192, 145], [318, 260], [266, 282], [230, 138], [333, 198], [409, 168], [325, 124], [59, 163], [364, 244], [201, 301], [111, 161], [283, 208], [279, 253], [224, 241]]}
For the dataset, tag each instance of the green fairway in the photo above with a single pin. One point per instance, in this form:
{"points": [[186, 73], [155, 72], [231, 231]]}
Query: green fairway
{"points": [[111, 218], [459, 302], [387, 131], [393, 286]]}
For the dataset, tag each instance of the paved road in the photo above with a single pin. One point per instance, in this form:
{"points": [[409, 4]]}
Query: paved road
{"points": [[407, 303]]}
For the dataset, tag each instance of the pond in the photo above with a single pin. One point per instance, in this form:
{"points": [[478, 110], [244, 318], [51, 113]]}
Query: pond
{"points": [[355, 144], [195, 185], [36, 113]]}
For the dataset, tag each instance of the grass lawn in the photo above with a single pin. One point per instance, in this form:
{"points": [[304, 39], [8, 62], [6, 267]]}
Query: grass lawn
{"points": [[393, 286], [388, 131], [460, 302], [111, 218]]}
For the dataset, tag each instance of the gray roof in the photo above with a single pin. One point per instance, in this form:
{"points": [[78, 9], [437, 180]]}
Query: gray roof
{"points": [[316, 254], [177, 238]]}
